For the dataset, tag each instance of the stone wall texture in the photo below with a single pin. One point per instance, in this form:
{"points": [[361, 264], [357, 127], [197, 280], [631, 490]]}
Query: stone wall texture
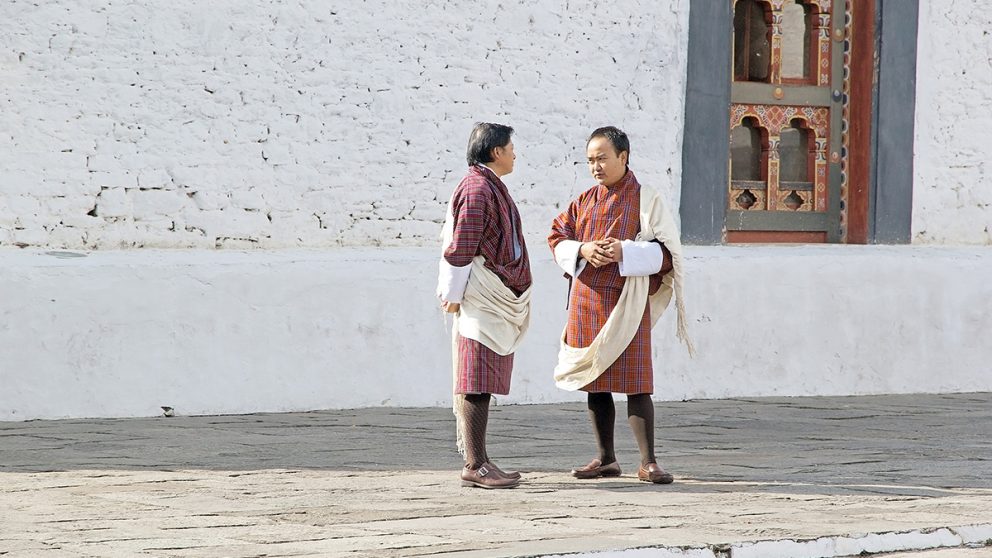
{"points": [[252, 123], [952, 190], [244, 123]]}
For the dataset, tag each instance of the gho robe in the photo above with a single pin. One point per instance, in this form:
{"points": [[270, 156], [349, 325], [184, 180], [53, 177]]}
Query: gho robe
{"points": [[598, 213], [485, 223]]}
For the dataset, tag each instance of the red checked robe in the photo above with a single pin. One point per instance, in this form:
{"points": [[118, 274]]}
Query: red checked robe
{"points": [[486, 221], [598, 213]]}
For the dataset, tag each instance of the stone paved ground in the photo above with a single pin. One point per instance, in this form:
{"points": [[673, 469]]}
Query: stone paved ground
{"points": [[383, 482]]}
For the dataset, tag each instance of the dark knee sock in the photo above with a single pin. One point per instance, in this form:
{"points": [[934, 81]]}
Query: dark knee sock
{"points": [[640, 414], [475, 413], [603, 413]]}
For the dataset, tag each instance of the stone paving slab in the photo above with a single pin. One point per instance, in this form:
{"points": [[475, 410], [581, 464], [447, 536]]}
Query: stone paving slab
{"points": [[422, 513], [383, 482]]}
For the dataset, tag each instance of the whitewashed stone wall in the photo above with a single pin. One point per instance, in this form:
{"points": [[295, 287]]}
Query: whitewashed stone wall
{"points": [[122, 333], [242, 123], [952, 191], [315, 124]]}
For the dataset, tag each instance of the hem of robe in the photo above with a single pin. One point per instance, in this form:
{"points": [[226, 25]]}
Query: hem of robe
{"points": [[483, 370], [633, 370], [623, 392]]}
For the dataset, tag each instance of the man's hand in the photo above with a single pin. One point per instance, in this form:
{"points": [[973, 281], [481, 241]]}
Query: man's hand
{"points": [[613, 249], [450, 307], [595, 253], [602, 252]]}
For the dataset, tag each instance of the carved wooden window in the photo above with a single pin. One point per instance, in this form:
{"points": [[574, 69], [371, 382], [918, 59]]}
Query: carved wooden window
{"points": [[748, 165], [752, 41], [789, 90], [835, 82], [797, 161], [797, 40]]}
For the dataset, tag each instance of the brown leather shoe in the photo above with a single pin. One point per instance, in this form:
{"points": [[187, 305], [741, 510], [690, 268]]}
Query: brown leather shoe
{"points": [[486, 477], [507, 474], [596, 469], [653, 473]]}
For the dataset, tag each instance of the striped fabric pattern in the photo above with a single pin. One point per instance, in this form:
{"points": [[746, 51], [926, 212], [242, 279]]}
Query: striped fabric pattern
{"points": [[480, 370], [485, 222], [484, 218], [598, 213]]}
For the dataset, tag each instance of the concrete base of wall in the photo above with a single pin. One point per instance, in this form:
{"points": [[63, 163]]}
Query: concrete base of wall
{"points": [[123, 333]]}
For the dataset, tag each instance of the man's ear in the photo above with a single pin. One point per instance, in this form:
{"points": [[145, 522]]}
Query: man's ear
{"points": [[494, 154], [624, 156]]}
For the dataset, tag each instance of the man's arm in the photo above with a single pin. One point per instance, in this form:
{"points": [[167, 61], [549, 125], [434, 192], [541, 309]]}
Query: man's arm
{"points": [[451, 282], [640, 258], [469, 211], [562, 241], [570, 254]]}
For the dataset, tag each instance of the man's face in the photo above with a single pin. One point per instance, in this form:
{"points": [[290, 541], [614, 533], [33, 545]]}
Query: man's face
{"points": [[605, 164], [503, 158]]}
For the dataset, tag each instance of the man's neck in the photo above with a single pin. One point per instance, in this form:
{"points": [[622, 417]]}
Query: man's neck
{"points": [[494, 171]]}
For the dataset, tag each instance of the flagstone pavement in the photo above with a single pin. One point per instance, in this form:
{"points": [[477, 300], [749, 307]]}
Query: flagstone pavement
{"points": [[761, 477]]}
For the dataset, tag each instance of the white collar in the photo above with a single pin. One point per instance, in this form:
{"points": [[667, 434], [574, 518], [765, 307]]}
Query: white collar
{"points": [[483, 165]]}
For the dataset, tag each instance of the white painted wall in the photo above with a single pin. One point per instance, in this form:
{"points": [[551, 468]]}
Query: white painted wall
{"points": [[306, 126], [121, 333], [314, 124], [952, 190], [244, 123]]}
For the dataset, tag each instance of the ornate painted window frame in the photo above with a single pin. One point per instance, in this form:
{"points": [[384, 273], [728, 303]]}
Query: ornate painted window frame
{"points": [[705, 146]]}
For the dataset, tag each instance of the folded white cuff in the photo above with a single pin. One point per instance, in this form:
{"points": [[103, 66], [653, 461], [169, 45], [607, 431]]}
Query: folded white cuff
{"points": [[640, 258], [567, 257], [451, 281]]}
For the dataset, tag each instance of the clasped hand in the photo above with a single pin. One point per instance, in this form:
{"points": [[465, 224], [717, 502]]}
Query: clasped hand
{"points": [[602, 252]]}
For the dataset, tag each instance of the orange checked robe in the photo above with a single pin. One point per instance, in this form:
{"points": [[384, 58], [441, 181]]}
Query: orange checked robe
{"points": [[598, 213]]}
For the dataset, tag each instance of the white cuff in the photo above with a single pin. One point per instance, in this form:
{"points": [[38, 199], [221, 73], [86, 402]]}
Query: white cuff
{"points": [[451, 281], [567, 257], [640, 258]]}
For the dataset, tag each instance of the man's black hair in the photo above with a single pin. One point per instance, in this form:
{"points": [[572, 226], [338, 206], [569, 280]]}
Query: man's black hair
{"points": [[485, 137], [615, 136]]}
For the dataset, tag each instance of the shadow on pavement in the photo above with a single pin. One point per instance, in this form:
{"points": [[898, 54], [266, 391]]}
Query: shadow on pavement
{"points": [[906, 444]]}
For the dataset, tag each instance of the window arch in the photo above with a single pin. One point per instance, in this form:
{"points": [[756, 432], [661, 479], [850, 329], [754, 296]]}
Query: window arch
{"points": [[748, 165], [800, 34], [752, 41], [797, 165]]}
